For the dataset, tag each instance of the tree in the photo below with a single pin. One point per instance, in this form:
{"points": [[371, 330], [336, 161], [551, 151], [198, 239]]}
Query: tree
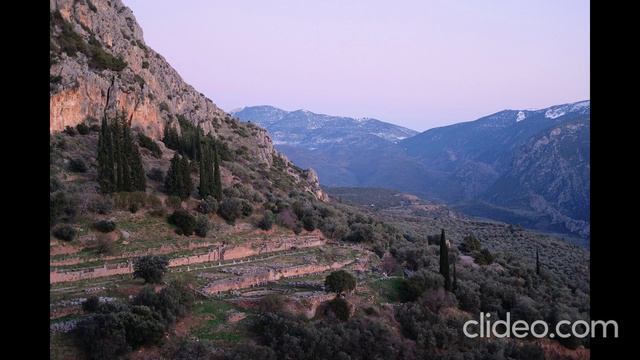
{"points": [[119, 162], [340, 282], [217, 181], [206, 187], [178, 182], [185, 222], [340, 308], [151, 268], [455, 278], [106, 171], [444, 261]]}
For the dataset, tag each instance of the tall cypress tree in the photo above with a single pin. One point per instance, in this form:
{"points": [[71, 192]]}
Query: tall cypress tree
{"points": [[444, 261], [124, 160], [173, 180], [106, 172], [206, 187], [455, 278], [185, 174], [217, 181]]}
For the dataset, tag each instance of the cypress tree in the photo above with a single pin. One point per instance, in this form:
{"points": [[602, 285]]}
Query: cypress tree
{"points": [[185, 174], [173, 180], [124, 159], [455, 278], [118, 154], [206, 187], [106, 174], [444, 261], [217, 181]]}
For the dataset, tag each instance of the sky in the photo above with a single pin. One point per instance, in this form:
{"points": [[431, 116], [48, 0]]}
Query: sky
{"points": [[416, 63]]}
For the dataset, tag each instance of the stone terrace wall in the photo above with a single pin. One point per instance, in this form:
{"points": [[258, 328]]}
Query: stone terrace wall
{"points": [[220, 253], [269, 275]]}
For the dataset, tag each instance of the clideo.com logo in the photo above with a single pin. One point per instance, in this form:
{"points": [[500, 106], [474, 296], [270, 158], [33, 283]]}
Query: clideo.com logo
{"points": [[486, 328]]}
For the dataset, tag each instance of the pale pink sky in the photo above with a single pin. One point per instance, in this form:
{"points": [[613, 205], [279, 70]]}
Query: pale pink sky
{"points": [[416, 63]]}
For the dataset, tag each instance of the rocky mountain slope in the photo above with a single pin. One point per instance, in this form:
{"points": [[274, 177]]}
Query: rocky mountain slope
{"points": [[99, 65], [487, 167], [302, 128]]}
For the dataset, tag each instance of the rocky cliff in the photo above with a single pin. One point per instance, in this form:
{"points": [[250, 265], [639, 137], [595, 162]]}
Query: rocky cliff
{"points": [[100, 65]]}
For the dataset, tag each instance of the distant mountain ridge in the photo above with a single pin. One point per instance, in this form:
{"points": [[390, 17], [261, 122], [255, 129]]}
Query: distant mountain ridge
{"points": [[529, 167], [310, 130]]}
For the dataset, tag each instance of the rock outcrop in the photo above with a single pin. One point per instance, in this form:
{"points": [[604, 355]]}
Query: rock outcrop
{"points": [[100, 65]]}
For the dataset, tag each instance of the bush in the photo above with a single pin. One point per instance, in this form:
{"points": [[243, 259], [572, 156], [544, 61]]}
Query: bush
{"points": [[156, 174], [151, 268], [267, 220], [70, 131], [102, 205], [104, 246], [470, 244], [82, 128], [184, 222], [208, 205], [104, 226], [148, 143], [91, 304], [246, 207], [340, 308], [95, 128], [484, 257], [174, 202], [231, 209], [202, 225], [77, 165], [145, 64], [134, 207], [271, 303], [65, 232], [340, 282], [102, 336]]}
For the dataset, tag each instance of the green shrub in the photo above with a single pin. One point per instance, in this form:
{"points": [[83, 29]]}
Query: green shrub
{"points": [[340, 308], [83, 129], [483, 257], [340, 282], [104, 246], [91, 304], [202, 225], [102, 205], [71, 131], [148, 143], [101, 60], [77, 165], [65, 232], [185, 222], [208, 205], [231, 209], [267, 220], [104, 226], [145, 64], [151, 268], [173, 202]]}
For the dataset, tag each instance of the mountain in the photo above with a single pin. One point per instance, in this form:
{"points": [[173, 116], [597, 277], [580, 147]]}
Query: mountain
{"points": [[100, 65], [524, 166], [302, 128], [487, 167], [339, 148]]}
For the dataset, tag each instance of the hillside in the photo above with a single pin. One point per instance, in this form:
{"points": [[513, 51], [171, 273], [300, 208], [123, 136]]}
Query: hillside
{"points": [[464, 165], [145, 265]]}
